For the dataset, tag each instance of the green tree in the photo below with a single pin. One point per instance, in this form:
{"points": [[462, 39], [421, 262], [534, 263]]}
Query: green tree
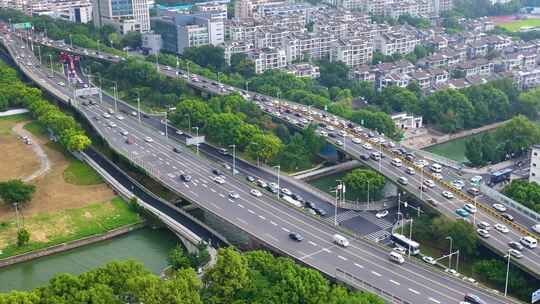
{"points": [[334, 74], [264, 146], [524, 192], [241, 64], [132, 40], [528, 103], [450, 110], [23, 236], [206, 56], [228, 278], [16, 191], [178, 259], [357, 182], [183, 288]]}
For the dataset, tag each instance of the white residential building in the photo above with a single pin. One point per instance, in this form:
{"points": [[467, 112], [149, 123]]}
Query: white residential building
{"points": [[125, 15], [534, 171], [354, 52], [399, 42], [303, 70], [268, 59], [406, 121]]}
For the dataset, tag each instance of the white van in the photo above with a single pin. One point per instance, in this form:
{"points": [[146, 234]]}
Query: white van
{"points": [[341, 240], [396, 257], [396, 162], [436, 168], [529, 242]]}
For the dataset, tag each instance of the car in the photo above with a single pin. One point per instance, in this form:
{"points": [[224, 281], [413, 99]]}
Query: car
{"points": [[364, 157], [148, 139], [296, 237], [255, 193], [339, 143], [473, 299], [410, 170], [536, 228], [462, 212], [185, 177], [124, 133], [484, 225], [499, 207], [501, 228], [223, 151], [423, 188], [177, 149], [179, 132], [437, 176], [473, 191], [219, 179], [106, 115], [130, 141], [120, 117], [112, 124], [470, 208], [217, 172], [298, 198], [261, 183], [429, 183], [458, 184], [227, 166], [432, 202], [448, 194], [483, 233], [133, 113], [403, 180], [475, 180], [515, 253], [421, 163], [515, 245], [61, 84], [508, 216], [286, 191], [356, 140], [381, 214], [429, 260], [234, 195], [310, 205], [250, 179], [320, 211], [400, 250], [367, 146]]}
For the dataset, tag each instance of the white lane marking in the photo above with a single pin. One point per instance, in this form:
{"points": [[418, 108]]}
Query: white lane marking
{"points": [[376, 273], [230, 200], [204, 185], [272, 237], [241, 221], [212, 190], [240, 205], [187, 186], [216, 206], [434, 300], [273, 223], [262, 217], [358, 265], [222, 195], [326, 250], [312, 243], [251, 211], [195, 194], [397, 283], [285, 229], [414, 291], [342, 257]]}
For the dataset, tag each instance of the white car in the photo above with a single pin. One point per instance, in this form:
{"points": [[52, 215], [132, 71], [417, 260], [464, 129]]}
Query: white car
{"points": [[356, 140], [429, 260], [410, 170], [400, 250], [470, 208], [234, 195], [255, 193], [286, 191], [458, 184], [148, 139], [112, 124], [133, 113], [421, 163], [515, 253], [448, 194], [124, 132], [219, 180], [499, 207], [437, 176], [339, 143], [483, 233], [501, 228], [106, 115], [367, 146], [119, 117], [536, 228], [179, 132], [381, 214], [429, 183]]}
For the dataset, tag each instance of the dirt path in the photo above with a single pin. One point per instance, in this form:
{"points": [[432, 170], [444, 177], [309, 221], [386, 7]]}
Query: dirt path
{"points": [[45, 163]]}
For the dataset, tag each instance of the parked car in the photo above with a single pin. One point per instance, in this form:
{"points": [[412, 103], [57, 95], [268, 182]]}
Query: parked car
{"points": [[429, 260]]}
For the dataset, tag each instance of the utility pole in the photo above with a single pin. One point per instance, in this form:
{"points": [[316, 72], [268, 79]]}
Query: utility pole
{"points": [[139, 106], [115, 97], [450, 255], [197, 130], [52, 68], [233, 158], [166, 122], [507, 272], [410, 237], [39, 54], [17, 215], [278, 185]]}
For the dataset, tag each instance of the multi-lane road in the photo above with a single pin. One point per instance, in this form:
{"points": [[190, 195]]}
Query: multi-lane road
{"points": [[264, 217]]}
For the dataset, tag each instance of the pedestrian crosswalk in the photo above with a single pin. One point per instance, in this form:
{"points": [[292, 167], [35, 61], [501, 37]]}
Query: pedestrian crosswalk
{"points": [[378, 236], [384, 224], [343, 216]]}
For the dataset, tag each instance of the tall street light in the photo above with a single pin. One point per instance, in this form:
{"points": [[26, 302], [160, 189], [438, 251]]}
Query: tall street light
{"points": [[233, 146], [507, 272], [278, 185], [450, 255], [139, 106], [197, 134]]}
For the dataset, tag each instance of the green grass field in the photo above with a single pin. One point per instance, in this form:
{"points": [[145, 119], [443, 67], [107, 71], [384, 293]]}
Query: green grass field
{"points": [[515, 26], [36, 129], [79, 173], [7, 122], [48, 229]]}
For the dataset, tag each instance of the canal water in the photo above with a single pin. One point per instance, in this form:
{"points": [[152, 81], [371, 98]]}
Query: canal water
{"points": [[145, 245]]}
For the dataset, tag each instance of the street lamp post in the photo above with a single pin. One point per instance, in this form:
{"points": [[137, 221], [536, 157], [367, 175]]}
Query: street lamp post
{"points": [[39, 54], [247, 87], [457, 262], [218, 77], [177, 67], [100, 90], [115, 97], [166, 123], [410, 237], [197, 134], [52, 68], [422, 182], [450, 256], [278, 185], [474, 214], [380, 157], [98, 46], [139, 106], [367, 181], [338, 188], [233, 158], [507, 272]]}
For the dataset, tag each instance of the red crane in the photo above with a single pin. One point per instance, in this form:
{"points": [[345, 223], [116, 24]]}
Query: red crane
{"points": [[70, 60]]}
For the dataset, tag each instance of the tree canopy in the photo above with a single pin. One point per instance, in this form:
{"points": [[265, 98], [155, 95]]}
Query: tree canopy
{"points": [[357, 182], [524, 192], [16, 191]]}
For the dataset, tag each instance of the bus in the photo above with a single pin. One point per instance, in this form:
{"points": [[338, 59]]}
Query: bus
{"points": [[500, 176], [406, 243], [292, 201]]}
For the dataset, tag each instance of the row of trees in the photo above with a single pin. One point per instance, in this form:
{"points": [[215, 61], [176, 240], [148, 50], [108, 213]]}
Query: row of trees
{"points": [[254, 277], [13, 92], [510, 140], [480, 8], [524, 192]]}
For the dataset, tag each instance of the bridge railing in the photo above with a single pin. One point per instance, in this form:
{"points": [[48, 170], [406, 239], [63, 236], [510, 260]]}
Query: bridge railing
{"points": [[505, 200]]}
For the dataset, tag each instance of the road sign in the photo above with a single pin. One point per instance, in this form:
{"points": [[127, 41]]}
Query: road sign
{"points": [[87, 92], [535, 296], [195, 140], [22, 26]]}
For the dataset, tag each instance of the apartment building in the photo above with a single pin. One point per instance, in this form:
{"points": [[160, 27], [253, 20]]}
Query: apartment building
{"points": [[354, 52], [303, 70], [124, 15], [236, 47], [476, 67], [392, 42], [527, 79], [268, 59], [79, 11]]}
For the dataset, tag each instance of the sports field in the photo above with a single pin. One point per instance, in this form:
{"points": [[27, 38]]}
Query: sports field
{"points": [[515, 26]]}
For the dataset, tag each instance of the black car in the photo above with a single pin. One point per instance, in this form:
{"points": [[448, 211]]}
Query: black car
{"points": [[296, 237], [364, 157], [185, 177], [216, 172], [320, 211], [223, 151], [177, 149], [298, 198], [508, 217], [333, 135], [310, 205]]}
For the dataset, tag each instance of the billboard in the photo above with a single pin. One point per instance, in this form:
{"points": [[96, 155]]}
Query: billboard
{"points": [[87, 92], [22, 26], [196, 140]]}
